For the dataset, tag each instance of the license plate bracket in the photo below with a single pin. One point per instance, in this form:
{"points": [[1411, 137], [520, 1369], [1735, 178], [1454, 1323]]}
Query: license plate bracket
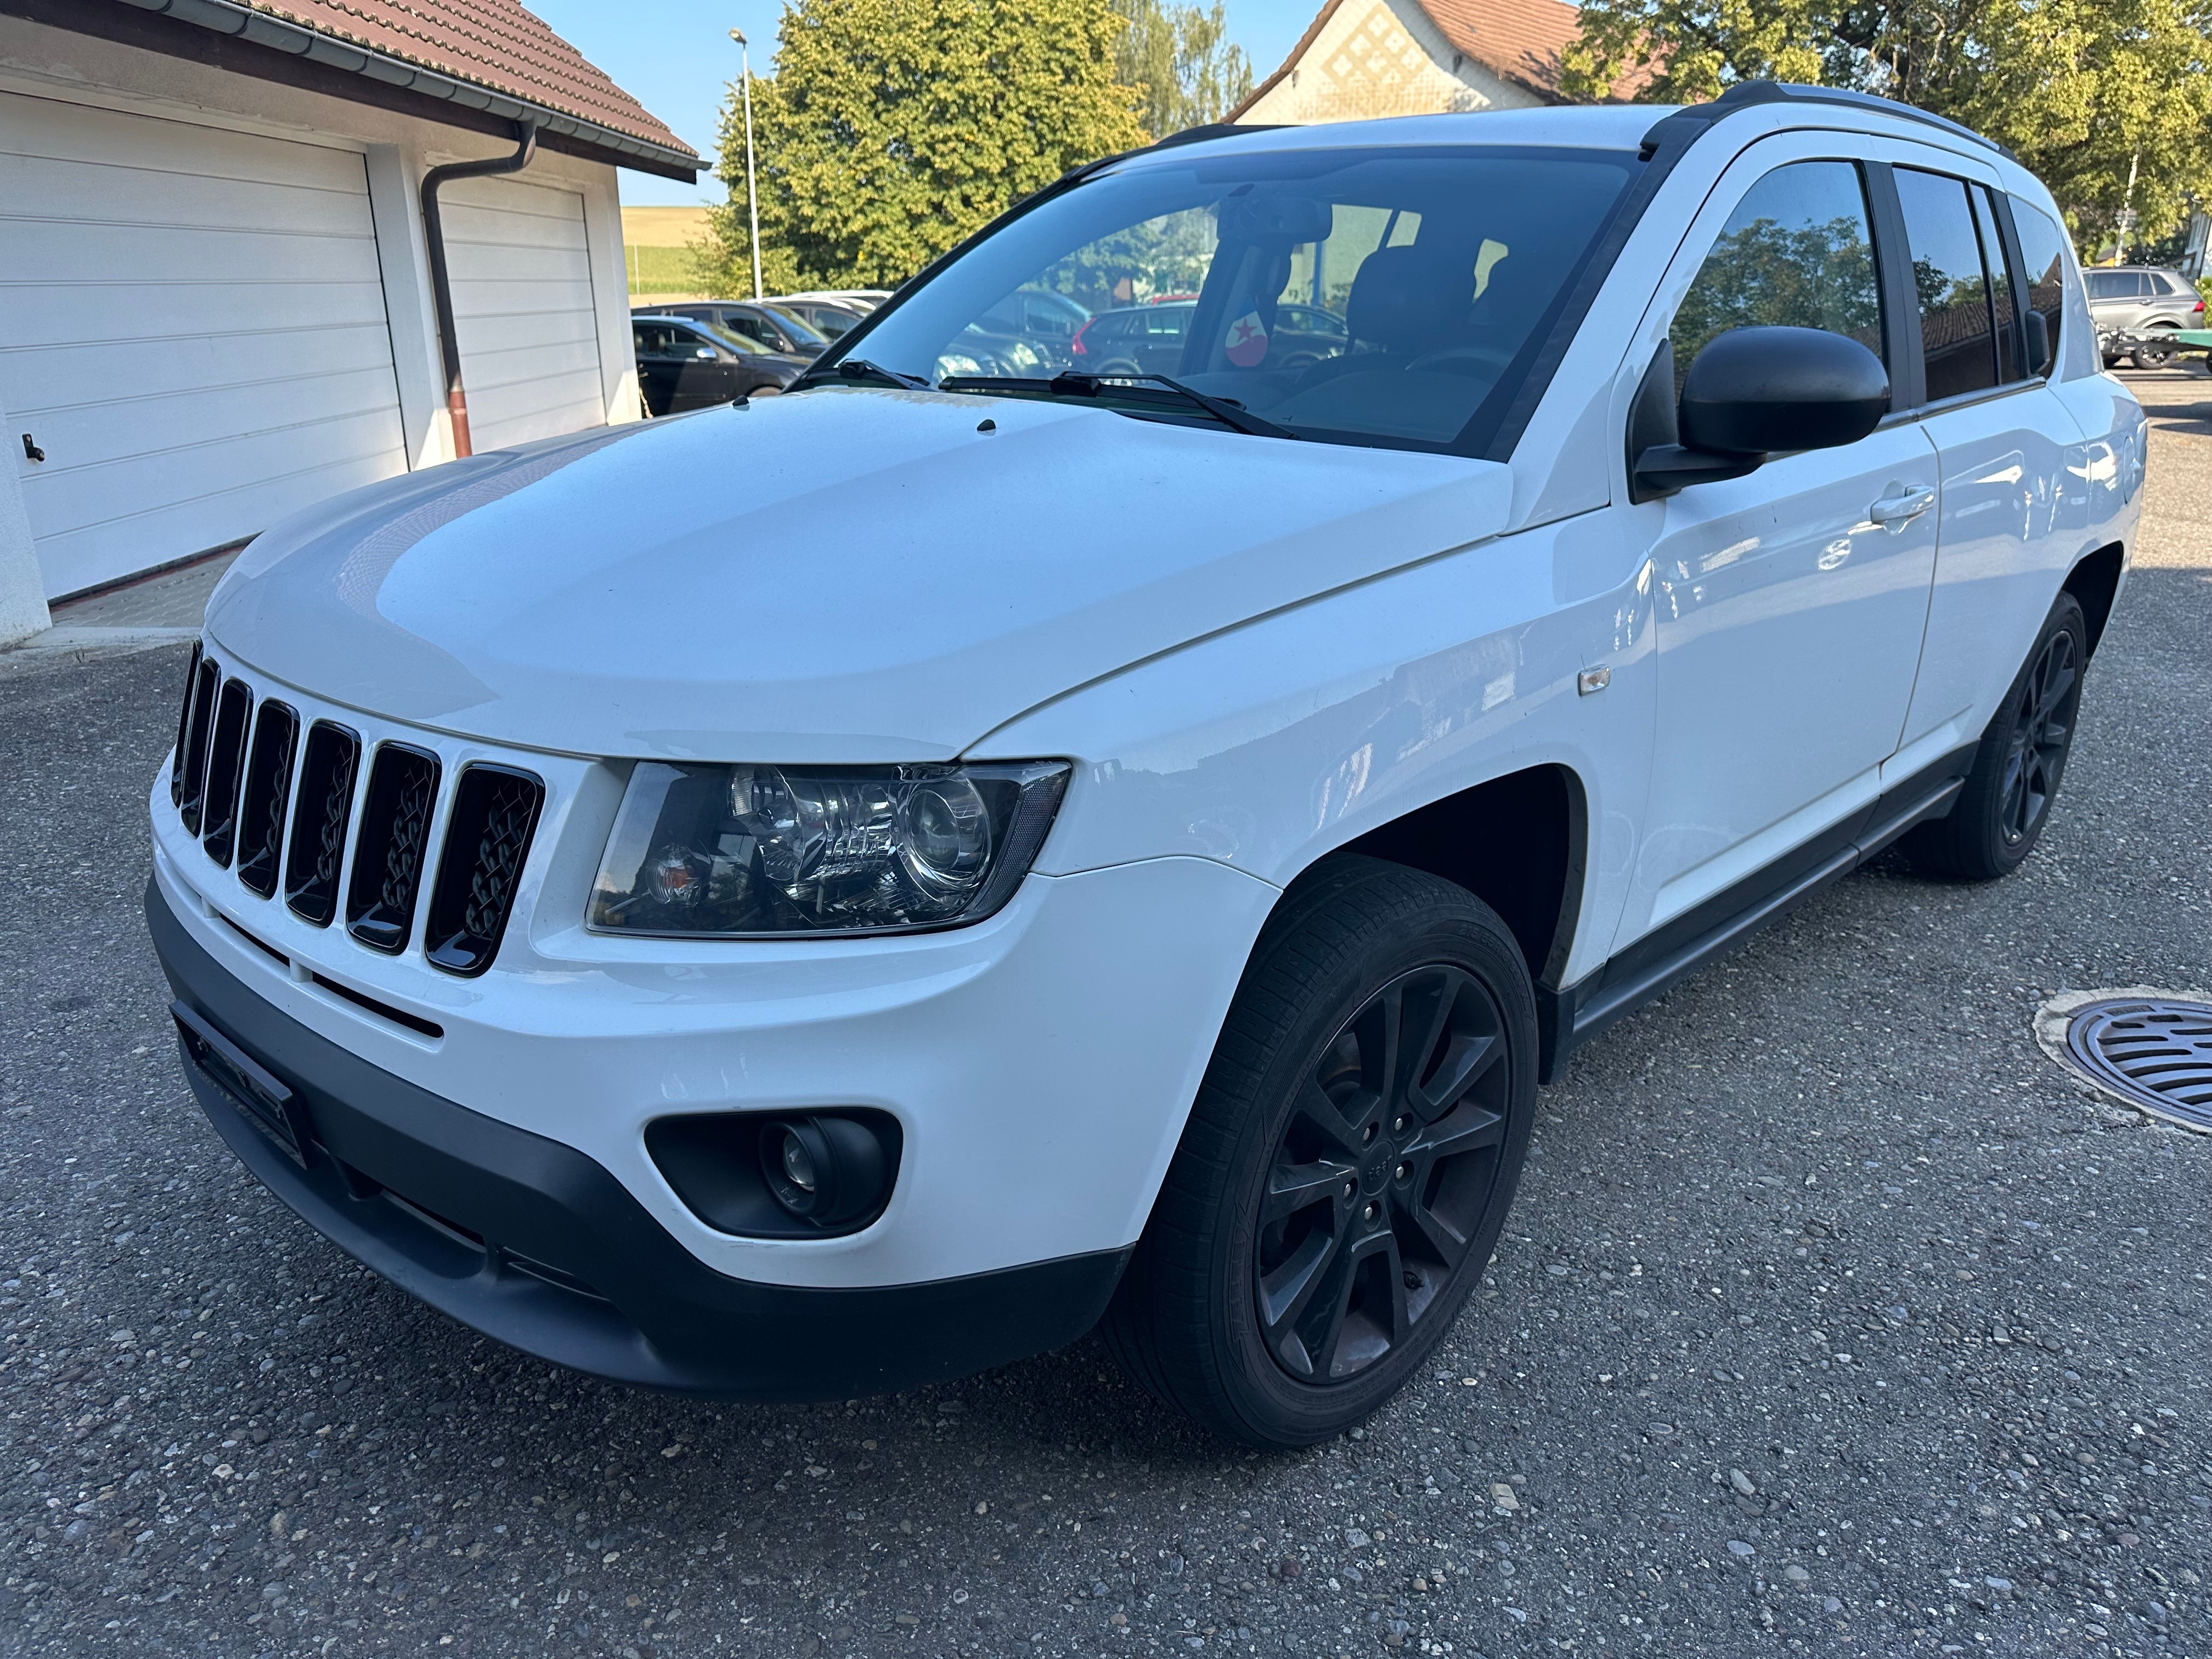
{"points": [[260, 1098]]}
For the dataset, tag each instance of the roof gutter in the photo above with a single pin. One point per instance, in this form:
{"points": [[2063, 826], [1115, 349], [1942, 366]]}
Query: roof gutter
{"points": [[441, 287], [230, 17]]}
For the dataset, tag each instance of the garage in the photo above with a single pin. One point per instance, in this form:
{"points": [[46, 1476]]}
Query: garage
{"points": [[193, 334], [523, 305]]}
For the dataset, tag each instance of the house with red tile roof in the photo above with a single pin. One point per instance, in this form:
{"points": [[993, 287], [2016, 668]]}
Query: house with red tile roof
{"points": [[1362, 58], [246, 264]]}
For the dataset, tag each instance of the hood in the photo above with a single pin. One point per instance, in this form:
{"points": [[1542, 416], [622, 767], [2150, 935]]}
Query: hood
{"points": [[850, 574]]}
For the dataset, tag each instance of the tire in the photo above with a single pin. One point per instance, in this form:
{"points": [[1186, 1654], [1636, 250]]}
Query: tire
{"points": [[2153, 356], [1359, 1206], [2001, 813]]}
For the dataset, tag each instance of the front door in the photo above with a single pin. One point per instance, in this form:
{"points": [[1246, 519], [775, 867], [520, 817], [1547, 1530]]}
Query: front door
{"points": [[1790, 603]]}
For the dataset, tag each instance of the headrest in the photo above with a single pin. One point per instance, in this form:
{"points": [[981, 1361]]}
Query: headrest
{"points": [[1407, 299]]}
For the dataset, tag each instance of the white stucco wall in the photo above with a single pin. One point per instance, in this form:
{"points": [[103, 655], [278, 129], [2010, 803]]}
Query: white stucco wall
{"points": [[1378, 58]]}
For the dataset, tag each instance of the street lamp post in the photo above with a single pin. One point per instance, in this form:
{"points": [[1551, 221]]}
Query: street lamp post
{"points": [[752, 194]]}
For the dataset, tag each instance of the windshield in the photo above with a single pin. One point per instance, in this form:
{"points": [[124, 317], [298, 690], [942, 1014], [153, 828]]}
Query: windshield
{"points": [[724, 336], [1382, 296]]}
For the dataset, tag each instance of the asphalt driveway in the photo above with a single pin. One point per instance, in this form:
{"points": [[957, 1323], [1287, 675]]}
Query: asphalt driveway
{"points": [[1832, 1318]]}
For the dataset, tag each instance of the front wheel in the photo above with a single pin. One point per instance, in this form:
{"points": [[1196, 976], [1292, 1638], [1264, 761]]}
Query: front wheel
{"points": [[2156, 355], [2000, 814], [1347, 1165]]}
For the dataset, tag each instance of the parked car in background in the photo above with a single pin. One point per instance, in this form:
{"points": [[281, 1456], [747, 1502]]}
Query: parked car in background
{"points": [[862, 300], [2139, 300], [684, 364], [831, 318], [1148, 338], [767, 326]]}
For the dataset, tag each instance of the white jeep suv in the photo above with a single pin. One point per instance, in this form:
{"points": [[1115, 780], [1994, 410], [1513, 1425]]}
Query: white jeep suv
{"points": [[817, 896]]}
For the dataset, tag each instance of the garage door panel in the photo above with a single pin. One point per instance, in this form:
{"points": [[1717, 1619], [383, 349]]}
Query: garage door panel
{"points": [[96, 434], [116, 252], [195, 321], [151, 313], [38, 128], [524, 305], [40, 189], [97, 374]]}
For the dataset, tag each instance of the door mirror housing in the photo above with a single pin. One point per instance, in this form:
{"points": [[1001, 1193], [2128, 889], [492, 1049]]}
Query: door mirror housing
{"points": [[1750, 393]]}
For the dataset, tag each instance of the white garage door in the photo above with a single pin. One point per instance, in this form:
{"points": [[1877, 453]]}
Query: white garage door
{"points": [[521, 272], [191, 327]]}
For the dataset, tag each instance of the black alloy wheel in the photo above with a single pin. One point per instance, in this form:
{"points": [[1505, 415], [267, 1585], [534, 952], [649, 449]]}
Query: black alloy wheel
{"points": [[2042, 733], [2005, 804], [1382, 1174], [1347, 1165]]}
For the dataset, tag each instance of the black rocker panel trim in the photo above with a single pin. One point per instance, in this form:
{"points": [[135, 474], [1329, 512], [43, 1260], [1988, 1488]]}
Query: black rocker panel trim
{"points": [[533, 1243], [1670, 954]]}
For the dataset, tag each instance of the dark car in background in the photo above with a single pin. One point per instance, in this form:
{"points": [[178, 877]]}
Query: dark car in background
{"points": [[768, 327], [1148, 339], [682, 364]]}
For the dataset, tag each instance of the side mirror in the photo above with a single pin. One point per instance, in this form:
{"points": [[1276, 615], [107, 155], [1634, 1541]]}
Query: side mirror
{"points": [[1750, 393], [2039, 341]]}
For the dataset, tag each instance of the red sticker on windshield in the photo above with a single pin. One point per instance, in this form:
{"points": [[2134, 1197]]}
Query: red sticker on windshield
{"points": [[1247, 344]]}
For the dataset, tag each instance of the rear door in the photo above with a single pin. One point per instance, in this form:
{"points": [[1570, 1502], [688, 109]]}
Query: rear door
{"points": [[1790, 603], [2002, 436]]}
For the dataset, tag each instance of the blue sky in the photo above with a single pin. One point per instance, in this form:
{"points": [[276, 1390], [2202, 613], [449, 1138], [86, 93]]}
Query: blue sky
{"points": [[676, 56]]}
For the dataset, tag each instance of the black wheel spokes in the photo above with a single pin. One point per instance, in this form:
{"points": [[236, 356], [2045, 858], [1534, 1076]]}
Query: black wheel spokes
{"points": [[1383, 1175], [2043, 729]]}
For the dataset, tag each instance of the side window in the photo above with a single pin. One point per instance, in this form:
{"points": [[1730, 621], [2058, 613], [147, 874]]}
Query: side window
{"points": [[2103, 285], [651, 340], [750, 327], [1797, 251], [2043, 246], [2001, 301], [1956, 341]]}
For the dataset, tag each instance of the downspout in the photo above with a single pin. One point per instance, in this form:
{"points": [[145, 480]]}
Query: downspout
{"points": [[441, 287]]}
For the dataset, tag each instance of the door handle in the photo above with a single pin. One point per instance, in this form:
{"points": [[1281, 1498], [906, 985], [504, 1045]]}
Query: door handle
{"points": [[1902, 509]]}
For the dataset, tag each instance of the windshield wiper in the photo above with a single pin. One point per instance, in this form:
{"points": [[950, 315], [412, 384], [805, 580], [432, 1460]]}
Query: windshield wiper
{"points": [[1071, 384], [859, 368]]}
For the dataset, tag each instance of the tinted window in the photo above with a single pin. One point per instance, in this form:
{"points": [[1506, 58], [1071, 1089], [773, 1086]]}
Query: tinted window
{"points": [[2001, 302], [1445, 262], [1798, 252], [2172, 283], [652, 339], [2043, 246], [2100, 285], [1956, 342]]}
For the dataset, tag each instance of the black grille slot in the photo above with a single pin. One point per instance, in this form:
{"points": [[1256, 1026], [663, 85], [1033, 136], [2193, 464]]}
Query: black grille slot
{"points": [[196, 745], [319, 823], [387, 864], [184, 731], [488, 837], [225, 761], [268, 788]]}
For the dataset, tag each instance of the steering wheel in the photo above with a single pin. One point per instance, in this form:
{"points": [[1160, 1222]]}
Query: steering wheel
{"points": [[1462, 360]]}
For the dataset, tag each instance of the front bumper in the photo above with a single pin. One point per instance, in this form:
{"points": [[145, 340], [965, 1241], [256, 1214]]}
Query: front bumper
{"points": [[534, 1243]]}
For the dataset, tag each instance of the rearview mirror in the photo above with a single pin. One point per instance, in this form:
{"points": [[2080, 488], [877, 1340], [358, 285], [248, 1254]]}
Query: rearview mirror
{"points": [[1750, 393]]}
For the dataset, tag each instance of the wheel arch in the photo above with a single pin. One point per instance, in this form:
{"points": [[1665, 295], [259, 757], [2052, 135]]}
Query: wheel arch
{"points": [[2095, 582]]}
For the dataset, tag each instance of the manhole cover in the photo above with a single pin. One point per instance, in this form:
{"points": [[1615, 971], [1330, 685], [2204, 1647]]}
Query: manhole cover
{"points": [[2150, 1049]]}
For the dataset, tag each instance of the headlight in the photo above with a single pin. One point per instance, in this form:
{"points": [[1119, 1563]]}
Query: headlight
{"points": [[735, 852]]}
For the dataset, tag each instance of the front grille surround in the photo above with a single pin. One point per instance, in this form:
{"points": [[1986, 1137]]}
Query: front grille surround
{"points": [[424, 838], [388, 853]]}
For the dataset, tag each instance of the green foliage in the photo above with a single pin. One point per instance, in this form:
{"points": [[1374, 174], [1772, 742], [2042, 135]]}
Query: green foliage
{"points": [[665, 270], [893, 128], [1765, 274], [2082, 90], [1180, 59]]}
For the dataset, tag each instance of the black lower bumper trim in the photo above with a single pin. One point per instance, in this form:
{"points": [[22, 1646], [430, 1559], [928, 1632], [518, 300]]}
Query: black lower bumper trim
{"points": [[531, 1241]]}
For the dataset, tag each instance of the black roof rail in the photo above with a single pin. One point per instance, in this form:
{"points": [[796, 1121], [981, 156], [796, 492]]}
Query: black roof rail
{"points": [[1199, 134], [1745, 94]]}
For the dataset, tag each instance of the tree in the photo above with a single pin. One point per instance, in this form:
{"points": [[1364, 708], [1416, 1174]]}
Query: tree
{"points": [[2087, 92], [893, 128], [1180, 60]]}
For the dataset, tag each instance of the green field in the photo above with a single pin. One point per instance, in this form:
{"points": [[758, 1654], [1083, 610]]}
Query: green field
{"points": [[659, 269]]}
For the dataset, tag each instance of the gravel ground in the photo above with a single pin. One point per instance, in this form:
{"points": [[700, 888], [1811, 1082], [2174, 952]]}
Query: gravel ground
{"points": [[1832, 1316]]}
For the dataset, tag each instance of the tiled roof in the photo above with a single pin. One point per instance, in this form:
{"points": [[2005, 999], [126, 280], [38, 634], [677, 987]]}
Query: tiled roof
{"points": [[489, 43], [1522, 40]]}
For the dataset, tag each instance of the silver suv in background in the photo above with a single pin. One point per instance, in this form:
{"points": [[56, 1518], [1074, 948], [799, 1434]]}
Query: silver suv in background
{"points": [[2137, 300]]}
